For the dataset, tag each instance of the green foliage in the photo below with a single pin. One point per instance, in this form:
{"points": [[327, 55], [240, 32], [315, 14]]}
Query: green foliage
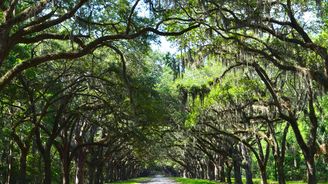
{"points": [[237, 80]]}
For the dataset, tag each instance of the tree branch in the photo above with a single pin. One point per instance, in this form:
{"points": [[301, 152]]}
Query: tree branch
{"points": [[49, 36], [9, 75], [27, 13]]}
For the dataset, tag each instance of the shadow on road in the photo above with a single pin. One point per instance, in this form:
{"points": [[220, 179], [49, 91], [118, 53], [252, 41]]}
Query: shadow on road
{"points": [[159, 179]]}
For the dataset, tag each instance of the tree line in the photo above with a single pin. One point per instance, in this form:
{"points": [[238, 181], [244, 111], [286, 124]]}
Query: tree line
{"points": [[269, 94], [84, 98]]}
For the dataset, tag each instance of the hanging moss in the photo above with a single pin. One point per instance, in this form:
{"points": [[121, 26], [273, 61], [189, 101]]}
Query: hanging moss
{"points": [[183, 94], [204, 91], [210, 82], [194, 91]]}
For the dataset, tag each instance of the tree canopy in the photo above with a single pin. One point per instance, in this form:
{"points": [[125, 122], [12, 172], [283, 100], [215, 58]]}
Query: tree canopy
{"points": [[86, 97]]}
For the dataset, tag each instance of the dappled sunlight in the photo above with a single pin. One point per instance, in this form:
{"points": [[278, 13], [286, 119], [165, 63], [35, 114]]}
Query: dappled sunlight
{"points": [[164, 91]]}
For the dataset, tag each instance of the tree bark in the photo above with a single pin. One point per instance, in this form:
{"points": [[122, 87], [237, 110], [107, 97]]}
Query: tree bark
{"points": [[4, 44], [222, 173], [79, 177], [99, 174], [47, 167], [65, 170], [247, 165], [308, 155], [249, 176], [264, 178], [229, 168], [22, 177], [211, 170], [10, 164], [91, 172], [310, 163], [311, 172], [237, 172], [280, 171], [279, 152]]}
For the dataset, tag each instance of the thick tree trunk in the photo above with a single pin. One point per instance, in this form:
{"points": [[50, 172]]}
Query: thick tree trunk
{"points": [[264, 178], [237, 172], [65, 161], [249, 176], [10, 164], [4, 44], [79, 177], [92, 172], [310, 163], [222, 174], [280, 171], [65, 170], [211, 170], [216, 172], [279, 153], [22, 177], [221, 170], [47, 167], [229, 168], [247, 165], [307, 152], [311, 175], [184, 174]]}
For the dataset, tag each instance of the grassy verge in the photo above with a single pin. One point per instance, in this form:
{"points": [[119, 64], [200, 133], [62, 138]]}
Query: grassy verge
{"points": [[258, 181], [255, 180], [192, 181], [133, 181]]}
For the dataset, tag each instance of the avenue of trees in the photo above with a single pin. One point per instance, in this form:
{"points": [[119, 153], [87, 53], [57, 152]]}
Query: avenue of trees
{"points": [[84, 98]]}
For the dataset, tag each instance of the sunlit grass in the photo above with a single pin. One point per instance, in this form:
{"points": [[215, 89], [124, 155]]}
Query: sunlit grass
{"points": [[255, 180], [133, 181], [193, 181]]}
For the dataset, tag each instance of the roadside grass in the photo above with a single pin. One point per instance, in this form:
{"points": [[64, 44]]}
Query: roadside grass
{"points": [[192, 181], [258, 181], [201, 181], [133, 181], [255, 180], [302, 182]]}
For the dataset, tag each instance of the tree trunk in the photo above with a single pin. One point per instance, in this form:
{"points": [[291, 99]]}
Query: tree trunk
{"points": [[222, 174], [264, 178], [5, 47], [91, 172], [229, 168], [47, 167], [221, 170], [79, 178], [247, 165], [216, 172], [237, 172], [22, 177], [65, 170], [211, 170], [279, 153], [249, 176], [10, 164], [310, 166], [310, 163], [280, 170]]}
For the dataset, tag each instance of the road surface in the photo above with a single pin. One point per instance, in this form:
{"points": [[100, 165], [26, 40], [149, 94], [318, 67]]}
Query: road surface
{"points": [[158, 179]]}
